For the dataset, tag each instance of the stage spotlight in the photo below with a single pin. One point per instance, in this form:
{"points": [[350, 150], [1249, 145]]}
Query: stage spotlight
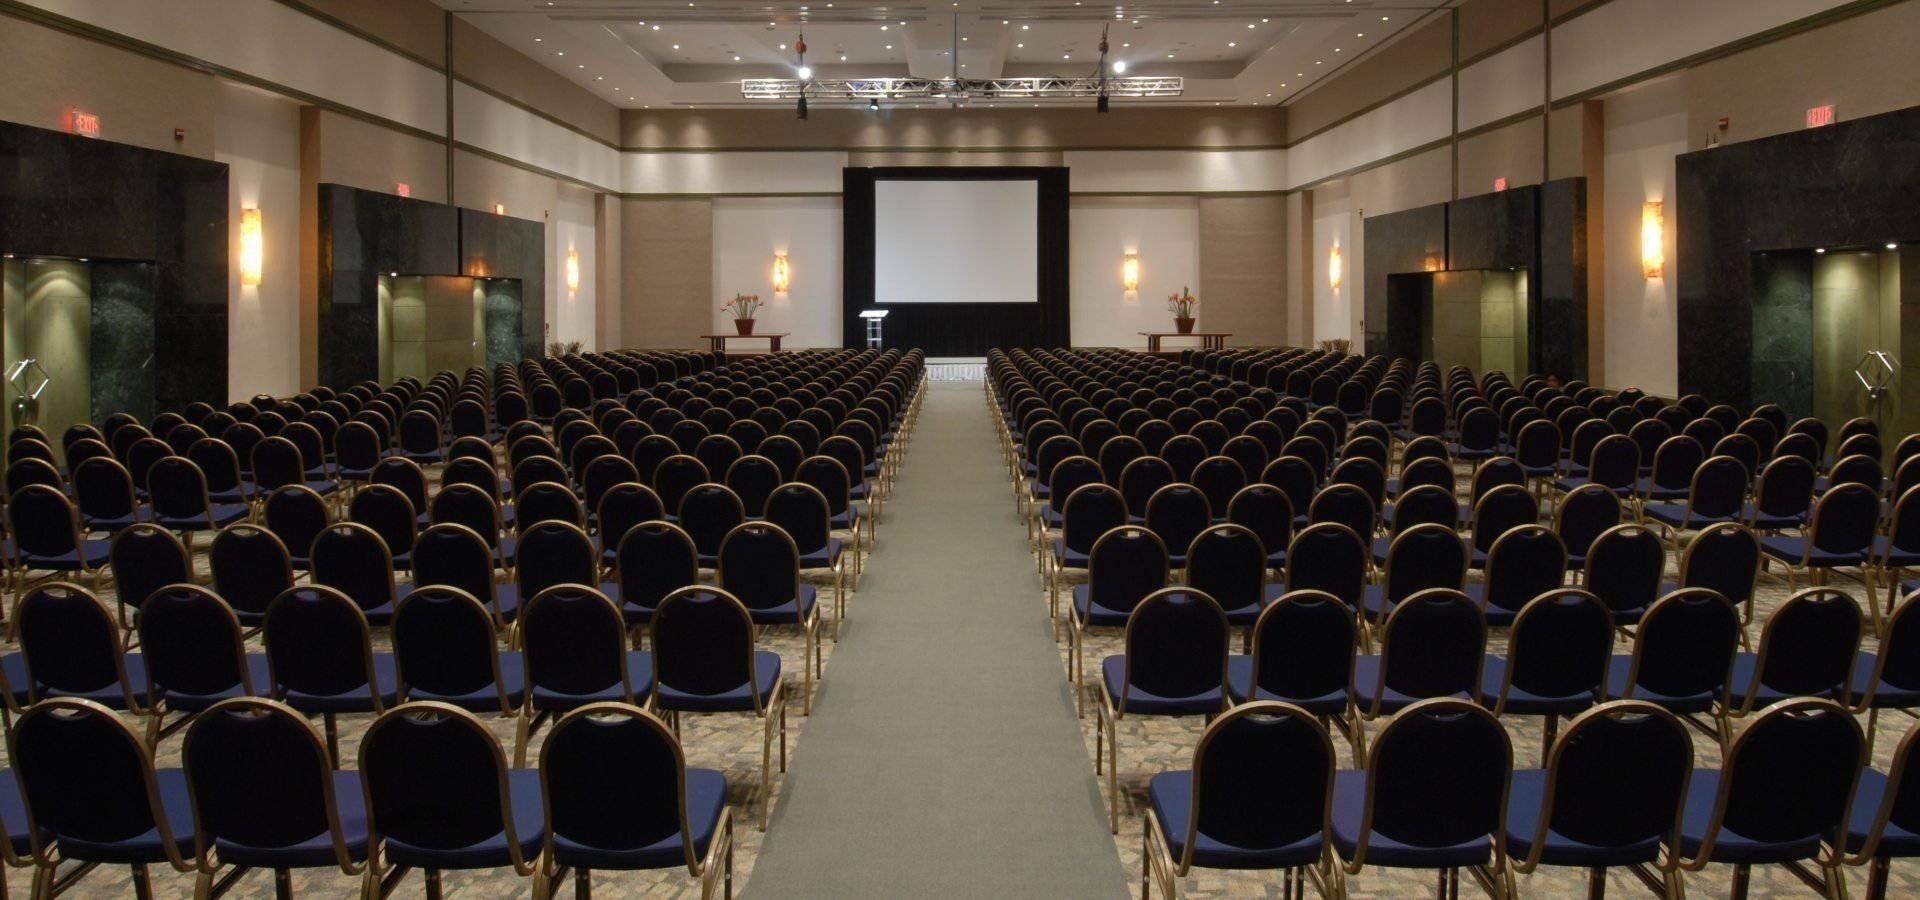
{"points": [[873, 105]]}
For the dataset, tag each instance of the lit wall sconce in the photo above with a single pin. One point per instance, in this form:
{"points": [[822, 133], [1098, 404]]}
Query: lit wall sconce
{"points": [[1653, 240], [781, 277], [1130, 272], [252, 246], [1336, 271], [573, 270], [499, 209]]}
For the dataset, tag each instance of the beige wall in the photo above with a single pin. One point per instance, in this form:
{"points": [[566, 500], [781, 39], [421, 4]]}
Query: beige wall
{"points": [[360, 154], [1487, 25], [479, 58], [666, 276], [1511, 152], [140, 101], [854, 129], [414, 26], [1421, 55], [1243, 267]]}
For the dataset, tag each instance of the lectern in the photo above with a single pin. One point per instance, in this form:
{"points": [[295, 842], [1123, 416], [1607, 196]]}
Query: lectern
{"points": [[874, 317]]}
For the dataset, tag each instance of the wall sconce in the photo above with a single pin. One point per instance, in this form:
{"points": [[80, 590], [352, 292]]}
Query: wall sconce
{"points": [[1653, 240], [1335, 270], [573, 270], [1130, 272], [781, 277], [499, 209], [252, 246]]}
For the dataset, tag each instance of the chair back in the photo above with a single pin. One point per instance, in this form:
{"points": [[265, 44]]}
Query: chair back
{"points": [[708, 512], [1615, 778], [250, 567], [653, 559], [1264, 510], [1329, 557], [1228, 563], [1559, 646], [677, 475], [753, 478], [69, 644], [352, 559], [1344, 504], [1125, 565], [1178, 513], [1785, 487], [614, 779], [1437, 777], [296, 515], [575, 642], [1685, 645], [190, 642], [1432, 646], [703, 643], [1303, 645], [1499, 510], [1424, 556], [1262, 779], [1624, 566], [1807, 646], [436, 780], [802, 512], [103, 488], [553, 553], [318, 643], [387, 511], [259, 777], [179, 490], [1789, 776], [146, 558], [1844, 520], [445, 644], [1724, 558], [86, 777], [1175, 646], [1524, 563], [1090, 511], [760, 565], [1583, 514], [456, 556]]}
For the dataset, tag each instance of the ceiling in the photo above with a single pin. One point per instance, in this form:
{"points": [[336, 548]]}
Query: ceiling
{"points": [[676, 53]]}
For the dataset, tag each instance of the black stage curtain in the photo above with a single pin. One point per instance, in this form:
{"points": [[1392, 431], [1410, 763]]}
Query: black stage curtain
{"points": [[958, 329]]}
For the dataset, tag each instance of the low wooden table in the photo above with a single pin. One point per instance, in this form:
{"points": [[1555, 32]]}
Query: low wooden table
{"points": [[1209, 340], [718, 342]]}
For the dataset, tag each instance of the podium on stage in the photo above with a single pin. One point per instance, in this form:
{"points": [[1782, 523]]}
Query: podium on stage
{"points": [[874, 317]]}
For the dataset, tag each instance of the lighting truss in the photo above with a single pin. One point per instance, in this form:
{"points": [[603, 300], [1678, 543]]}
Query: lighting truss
{"points": [[959, 89]]}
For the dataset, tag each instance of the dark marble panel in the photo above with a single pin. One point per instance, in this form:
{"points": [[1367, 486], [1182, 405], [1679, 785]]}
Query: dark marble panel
{"points": [[119, 205], [1849, 184], [1782, 340], [1414, 240], [1494, 231], [121, 340], [364, 234], [503, 320], [1558, 290], [1408, 297], [495, 246]]}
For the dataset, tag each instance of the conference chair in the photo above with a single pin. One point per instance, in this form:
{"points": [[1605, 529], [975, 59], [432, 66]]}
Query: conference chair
{"points": [[320, 657], [1556, 660], [1174, 663]]}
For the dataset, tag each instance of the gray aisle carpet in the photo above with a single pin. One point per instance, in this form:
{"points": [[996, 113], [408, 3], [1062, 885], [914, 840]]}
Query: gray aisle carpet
{"points": [[943, 757]]}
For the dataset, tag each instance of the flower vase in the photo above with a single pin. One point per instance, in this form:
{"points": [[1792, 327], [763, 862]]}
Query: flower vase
{"points": [[1183, 324], [744, 326]]}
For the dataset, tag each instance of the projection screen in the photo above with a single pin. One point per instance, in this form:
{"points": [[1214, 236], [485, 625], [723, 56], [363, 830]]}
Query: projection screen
{"points": [[956, 241]]}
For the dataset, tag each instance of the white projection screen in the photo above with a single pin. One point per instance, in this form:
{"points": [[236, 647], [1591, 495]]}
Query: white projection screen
{"points": [[960, 241]]}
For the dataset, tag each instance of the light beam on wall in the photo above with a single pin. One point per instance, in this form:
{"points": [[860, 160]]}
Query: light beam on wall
{"points": [[573, 270], [781, 276], [252, 246], [1130, 272], [1653, 240], [1335, 269]]}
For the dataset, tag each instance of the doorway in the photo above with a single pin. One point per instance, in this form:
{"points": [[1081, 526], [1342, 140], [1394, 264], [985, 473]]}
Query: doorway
{"points": [[48, 311]]}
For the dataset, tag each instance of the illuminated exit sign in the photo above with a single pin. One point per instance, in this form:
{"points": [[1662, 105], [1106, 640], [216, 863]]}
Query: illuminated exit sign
{"points": [[403, 189], [1819, 116], [83, 123], [1499, 184]]}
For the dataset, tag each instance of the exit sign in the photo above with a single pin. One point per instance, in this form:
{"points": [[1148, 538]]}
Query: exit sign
{"points": [[1819, 116], [403, 189], [83, 123], [1499, 184]]}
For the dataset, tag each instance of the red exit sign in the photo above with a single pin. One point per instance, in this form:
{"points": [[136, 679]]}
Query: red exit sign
{"points": [[403, 189], [83, 123], [1499, 184], [1819, 116]]}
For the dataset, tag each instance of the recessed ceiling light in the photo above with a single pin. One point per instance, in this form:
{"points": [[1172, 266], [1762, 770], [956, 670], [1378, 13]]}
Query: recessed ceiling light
{"points": [[1019, 45], [1892, 246], [581, 66], [883, 28], [1336, 49], [1066, 56], [599, 77], [736, 57], [676, 46], [538, 40], [1126, 43], [843, 57], [964, 38], [1251, 25], [1819, 249], [1269, 95], [1233, 43], [889, 46], [1359, 34], [1025, 28], [656, 28], [1169, 56], [1318, 62], [783, 46], [559, 52], [1384, 18]]}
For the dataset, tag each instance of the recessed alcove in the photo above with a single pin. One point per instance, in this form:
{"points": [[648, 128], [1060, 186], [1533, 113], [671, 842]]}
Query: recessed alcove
{"points": [[1819, 313], [430, 323]]}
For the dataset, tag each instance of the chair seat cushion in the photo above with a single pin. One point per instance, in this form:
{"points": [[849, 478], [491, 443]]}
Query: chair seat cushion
{"points": [[317, 850], [147, 846], [1526, 804], [825, 557], [110, 523], [1349, 807], [1617, 686], [486, 698], [1171, 794], [1096, 615], [1366, 682], [529, 826], [1885, 695], [93, 553], [1883, 549], [1678, 515], [1522, 702], [1730, 846], [1240, 685], [639, 675], [792, 612], [1791, 549], [1895, 842], [1113, 672], [110, 695], [1646, 487], [13, 814], [360, 699], [1766, 521], [740, 698], [187, 702], [706, 801]]}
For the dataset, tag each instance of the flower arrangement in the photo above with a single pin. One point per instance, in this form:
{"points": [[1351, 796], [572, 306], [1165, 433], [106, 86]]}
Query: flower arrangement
{"points": [[742, 306], [1182, 304]]}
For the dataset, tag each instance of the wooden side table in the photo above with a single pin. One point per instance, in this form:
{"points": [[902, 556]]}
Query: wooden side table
{"points": [[718, 342], [1209, 340]]}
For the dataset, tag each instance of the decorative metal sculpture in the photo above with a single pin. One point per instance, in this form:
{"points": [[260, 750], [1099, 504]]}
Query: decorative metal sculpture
{"points": [[26, 401], [1876, 372]]}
